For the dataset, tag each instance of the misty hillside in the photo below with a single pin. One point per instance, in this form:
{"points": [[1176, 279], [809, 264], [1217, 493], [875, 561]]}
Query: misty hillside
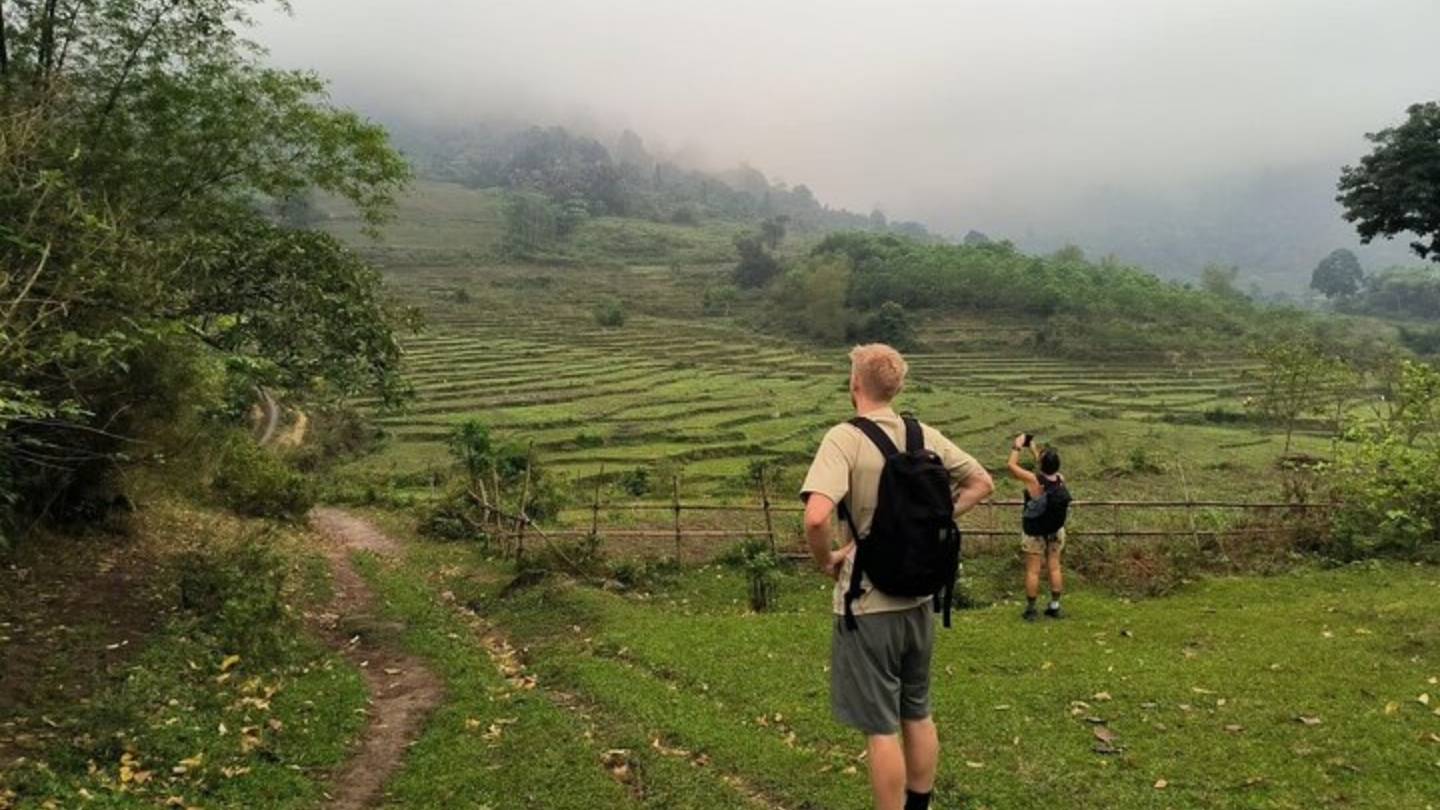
{"points": [[1274, 224]]}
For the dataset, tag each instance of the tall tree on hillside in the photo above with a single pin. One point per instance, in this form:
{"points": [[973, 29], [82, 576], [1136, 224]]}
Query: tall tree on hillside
{"points": [[1337, 275], [772, 231], [1396, 188], [756, 267]]}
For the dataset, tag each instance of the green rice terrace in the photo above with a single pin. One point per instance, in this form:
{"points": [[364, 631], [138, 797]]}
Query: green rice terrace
{"points": [[704, 399]]}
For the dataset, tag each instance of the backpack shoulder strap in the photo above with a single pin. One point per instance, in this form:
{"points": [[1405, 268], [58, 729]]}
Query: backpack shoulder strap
{"points": [[914, 436], [876, 435]]}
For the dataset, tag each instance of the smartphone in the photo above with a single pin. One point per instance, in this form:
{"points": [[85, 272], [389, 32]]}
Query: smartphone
{"points": [[1029, 437]]}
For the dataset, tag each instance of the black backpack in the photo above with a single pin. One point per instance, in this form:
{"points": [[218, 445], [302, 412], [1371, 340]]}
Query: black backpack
{"points": [[1045, 515], [913, 548]]}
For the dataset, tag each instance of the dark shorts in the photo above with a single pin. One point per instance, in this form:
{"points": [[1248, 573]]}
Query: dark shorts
{"points": [[880, 672]]}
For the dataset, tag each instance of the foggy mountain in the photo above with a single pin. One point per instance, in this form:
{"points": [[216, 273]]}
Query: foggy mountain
{"points": [[1171, 135]]}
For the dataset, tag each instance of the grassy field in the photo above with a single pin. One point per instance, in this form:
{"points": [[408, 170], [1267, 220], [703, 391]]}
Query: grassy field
{"points": [[1313, 689]]}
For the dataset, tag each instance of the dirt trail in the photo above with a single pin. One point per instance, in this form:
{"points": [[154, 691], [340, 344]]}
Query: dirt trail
{"points": [[402, 690]]}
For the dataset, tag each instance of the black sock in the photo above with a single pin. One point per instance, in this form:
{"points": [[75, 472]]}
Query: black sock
{"points": [[1030, 601], [1055, 599], [917, 801]]}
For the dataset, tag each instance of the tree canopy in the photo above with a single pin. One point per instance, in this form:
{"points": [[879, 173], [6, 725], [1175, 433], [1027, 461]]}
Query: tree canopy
{"points": [[1338, 275], [1396, 188], [141, 145]]}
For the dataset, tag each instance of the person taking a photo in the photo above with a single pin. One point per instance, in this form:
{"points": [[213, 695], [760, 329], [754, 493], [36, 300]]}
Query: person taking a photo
{"points": [[1047, 505]]}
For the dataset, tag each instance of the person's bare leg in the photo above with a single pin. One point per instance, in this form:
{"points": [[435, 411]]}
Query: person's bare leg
{"points": [[886, 758], [1057, 579], [922, 754], [1032, 575]]}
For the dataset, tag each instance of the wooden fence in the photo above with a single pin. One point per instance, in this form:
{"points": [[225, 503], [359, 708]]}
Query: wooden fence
{"points": [[779, 524]]}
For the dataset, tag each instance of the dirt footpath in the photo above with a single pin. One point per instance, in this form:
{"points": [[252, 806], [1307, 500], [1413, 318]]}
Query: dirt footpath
{"points": [[402, 690]]}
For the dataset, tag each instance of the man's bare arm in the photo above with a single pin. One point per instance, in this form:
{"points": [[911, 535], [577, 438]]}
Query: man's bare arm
{"points": [[818, 509], [974, 489]]}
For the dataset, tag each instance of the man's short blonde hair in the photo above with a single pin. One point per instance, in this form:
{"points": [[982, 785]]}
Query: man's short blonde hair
{"points": [[879, 370]]}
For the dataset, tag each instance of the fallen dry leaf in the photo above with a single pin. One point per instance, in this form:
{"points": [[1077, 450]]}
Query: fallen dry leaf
{"points": [[1308, 720], [1161, 784]]}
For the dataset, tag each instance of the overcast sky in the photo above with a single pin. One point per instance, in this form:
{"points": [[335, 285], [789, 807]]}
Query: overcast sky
{"points": [[957, 112]]}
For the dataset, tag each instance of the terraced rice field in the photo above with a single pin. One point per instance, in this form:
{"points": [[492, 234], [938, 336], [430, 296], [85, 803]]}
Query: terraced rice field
{"points": [[703, 398]]}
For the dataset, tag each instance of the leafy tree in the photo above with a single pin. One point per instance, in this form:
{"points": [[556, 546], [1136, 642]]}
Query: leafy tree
{"points": [[878, 220], [772, 231], [1294, 378], [1219, 280], [1337, 275], [974, 238], [810, 299], [1396, 188], [143, 148], [888, 324], [757, 267], [532, 223]]}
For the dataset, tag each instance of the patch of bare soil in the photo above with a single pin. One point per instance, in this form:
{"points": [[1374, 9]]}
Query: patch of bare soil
{"points": [[71, 614], [402, 690]]}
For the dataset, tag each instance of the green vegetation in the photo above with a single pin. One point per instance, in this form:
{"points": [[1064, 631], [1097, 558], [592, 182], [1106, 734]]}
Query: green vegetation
{"points": [[1394, 189], [1341, 716], [143, 276], [1081, 308], [224, 703]]}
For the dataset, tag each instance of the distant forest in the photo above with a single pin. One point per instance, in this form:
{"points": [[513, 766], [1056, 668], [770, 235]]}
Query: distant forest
{"points": [[624, 179]]}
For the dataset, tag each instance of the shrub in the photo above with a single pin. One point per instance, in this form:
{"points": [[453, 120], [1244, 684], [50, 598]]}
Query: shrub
{"points": [[889, 324], [234, 591], [1390, 491], [589, 440], [255, 482], [610, 313], [762, 569], [636, 482], [719, 300], [647, 573], [453, 517]]}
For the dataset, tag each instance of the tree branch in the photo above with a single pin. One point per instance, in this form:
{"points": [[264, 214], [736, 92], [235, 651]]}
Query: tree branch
{"points": [[131, 59]]}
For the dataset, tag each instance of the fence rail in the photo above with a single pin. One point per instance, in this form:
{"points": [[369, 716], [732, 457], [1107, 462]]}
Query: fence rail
{"points": [[997, 518]]}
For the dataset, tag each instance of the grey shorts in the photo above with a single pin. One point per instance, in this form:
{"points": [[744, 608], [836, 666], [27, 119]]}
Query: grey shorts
{"points": [[880, 672]]}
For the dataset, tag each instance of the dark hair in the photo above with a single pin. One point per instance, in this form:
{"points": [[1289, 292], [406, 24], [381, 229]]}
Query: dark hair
{"points": [[1049, 461]]}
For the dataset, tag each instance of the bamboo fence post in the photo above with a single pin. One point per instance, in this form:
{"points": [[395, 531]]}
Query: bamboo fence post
{"points": [[765, 505], [495, 479], [595, 509], [675, 490], [520, 519]]}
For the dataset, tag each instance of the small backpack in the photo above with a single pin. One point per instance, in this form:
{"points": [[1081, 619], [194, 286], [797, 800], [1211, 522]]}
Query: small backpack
{"points": [[1045, 515], [913, 548]]}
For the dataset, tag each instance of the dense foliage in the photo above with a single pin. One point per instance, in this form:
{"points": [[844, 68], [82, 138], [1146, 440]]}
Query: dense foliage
{"points": [[1388, 476], [1072, 302], [1400, 292], [1337, 275], [143, 282], [1396, 188], [625, 179]]}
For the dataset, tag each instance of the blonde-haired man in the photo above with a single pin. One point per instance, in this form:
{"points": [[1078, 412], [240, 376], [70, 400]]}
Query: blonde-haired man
{"points": [[880, 670]]}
